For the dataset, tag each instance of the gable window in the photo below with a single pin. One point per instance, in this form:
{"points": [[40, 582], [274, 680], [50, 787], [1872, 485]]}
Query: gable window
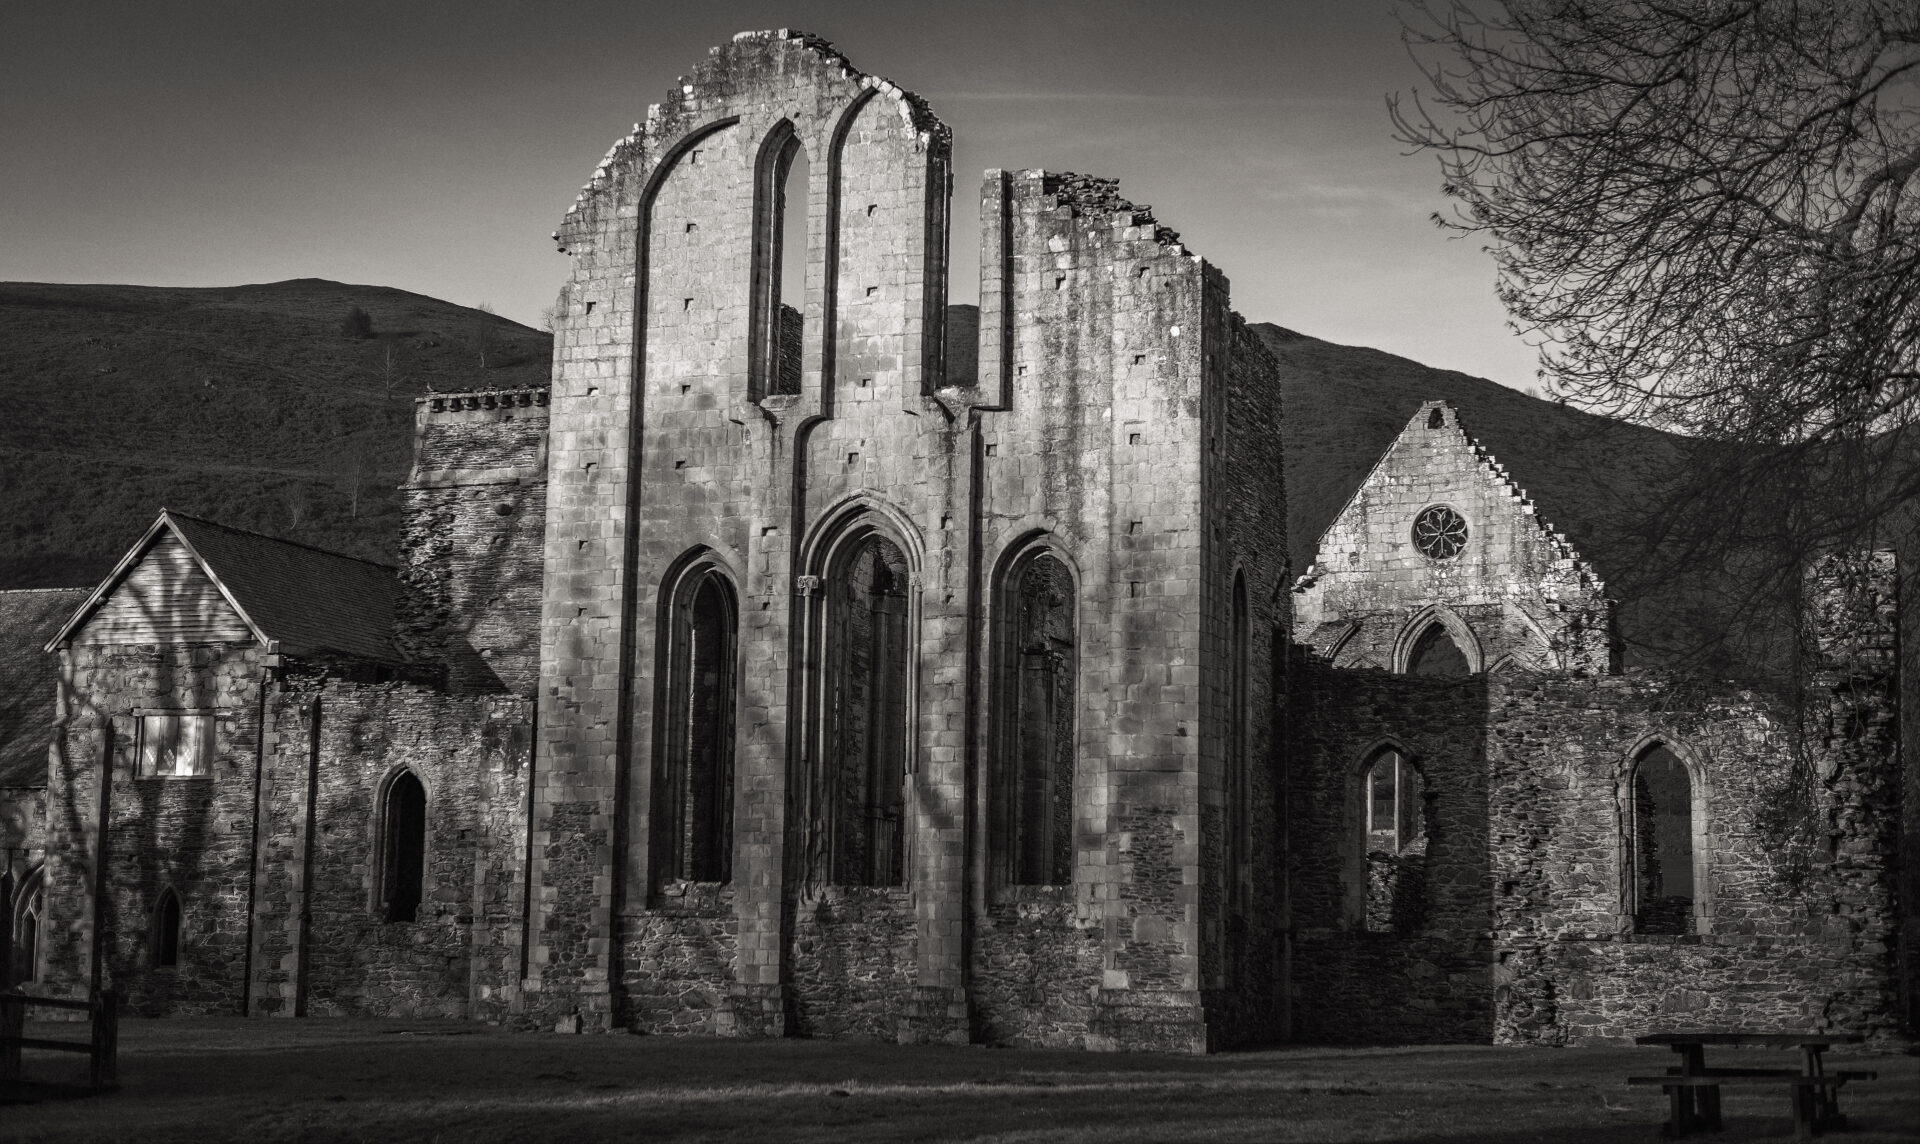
{"points": [[404, 845], [1396, 843], [1662, 831], [1439, 532], [166, 930], [175, 744]]}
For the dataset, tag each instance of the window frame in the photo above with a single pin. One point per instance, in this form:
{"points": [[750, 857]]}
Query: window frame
{"points": [[1699, 797], [207, 747]]}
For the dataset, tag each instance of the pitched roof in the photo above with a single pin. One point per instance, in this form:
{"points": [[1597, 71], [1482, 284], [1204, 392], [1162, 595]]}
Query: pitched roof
{"points": [[307, 599], [28, 678]]}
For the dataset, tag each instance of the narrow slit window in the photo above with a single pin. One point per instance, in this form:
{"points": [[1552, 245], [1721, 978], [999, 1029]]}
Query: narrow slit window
{"points": [[166, 930], [404, 864]]}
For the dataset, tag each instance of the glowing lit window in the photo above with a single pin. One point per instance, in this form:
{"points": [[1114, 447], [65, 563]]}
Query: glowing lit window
{"points": [[176, 746]]}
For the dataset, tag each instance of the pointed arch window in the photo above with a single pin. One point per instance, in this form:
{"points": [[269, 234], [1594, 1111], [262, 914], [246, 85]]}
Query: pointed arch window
{"points": [[29, 907], [693, 798], [404, 848], [780, 263], [1396, 816], [862, 794], [1436, 655], [1663, 844], [1036, 695], [165, 945]]}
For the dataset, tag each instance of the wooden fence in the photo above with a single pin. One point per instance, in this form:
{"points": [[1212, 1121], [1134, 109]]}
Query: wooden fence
{"points": [[101, 1047]]}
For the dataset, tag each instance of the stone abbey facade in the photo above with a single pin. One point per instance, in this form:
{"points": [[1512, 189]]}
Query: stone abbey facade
{"points": [[814, 657]]}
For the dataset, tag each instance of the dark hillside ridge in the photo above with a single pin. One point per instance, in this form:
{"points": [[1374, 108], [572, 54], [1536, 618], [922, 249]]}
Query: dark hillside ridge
{"points": [[249, 405]]}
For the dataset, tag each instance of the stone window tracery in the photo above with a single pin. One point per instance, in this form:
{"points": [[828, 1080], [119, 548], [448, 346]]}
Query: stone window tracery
{"points": [[403, 848], [693, 797], [1439, 532], [29, 906], [1032, 821]]}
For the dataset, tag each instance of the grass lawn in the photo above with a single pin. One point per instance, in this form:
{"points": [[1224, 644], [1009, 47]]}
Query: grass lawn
{"points": [[228, 1079]]}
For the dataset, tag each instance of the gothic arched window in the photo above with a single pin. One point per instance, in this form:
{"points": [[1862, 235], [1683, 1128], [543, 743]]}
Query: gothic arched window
{"points": [[1396, 842], [1436, 654], [404, 848], [1662, 832], [1032, 820], [863, 788], [165, 950], [693, 798]]}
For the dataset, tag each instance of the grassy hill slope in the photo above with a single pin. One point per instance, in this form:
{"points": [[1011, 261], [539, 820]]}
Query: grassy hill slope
{"points": [[246, 404]]}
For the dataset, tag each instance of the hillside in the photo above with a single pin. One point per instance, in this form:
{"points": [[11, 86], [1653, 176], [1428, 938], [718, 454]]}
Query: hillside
{"points": [[246, 404]]}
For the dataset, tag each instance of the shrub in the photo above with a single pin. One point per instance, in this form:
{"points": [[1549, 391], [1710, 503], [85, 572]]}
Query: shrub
{"points": [[357, 324]]}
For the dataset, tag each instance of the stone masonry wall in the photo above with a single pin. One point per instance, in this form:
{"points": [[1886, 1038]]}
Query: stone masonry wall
{"points": [[193, 835], [476, 522], [326, 948]]}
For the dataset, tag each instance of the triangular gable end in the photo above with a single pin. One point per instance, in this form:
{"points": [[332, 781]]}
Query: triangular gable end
{"points": [[161, 591], [1423, 422]]}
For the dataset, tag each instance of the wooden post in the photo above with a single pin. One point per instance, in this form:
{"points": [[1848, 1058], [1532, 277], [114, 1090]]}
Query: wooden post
{"points": [[13, 1019], [106, 1039]]}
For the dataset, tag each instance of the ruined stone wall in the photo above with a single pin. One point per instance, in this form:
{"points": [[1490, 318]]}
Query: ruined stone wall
{"points": [[1528, 933], [476, 522], [701, 455], [326, 946], [1433, 982], [1518, 586], [191, 834]]}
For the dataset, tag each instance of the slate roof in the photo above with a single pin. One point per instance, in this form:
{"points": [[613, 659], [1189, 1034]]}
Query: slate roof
{"points": [[308, 599], [28, 677]]}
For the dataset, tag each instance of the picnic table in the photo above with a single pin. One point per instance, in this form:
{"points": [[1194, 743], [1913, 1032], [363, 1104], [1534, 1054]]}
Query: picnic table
{"points": [[1694, 1088]]}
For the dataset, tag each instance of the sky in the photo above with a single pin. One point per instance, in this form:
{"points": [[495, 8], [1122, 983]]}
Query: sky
{"points": [[434, 146]]}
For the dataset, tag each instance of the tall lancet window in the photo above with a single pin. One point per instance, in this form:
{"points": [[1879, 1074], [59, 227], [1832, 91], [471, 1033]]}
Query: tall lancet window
{"points": [[693, 799], [1037, 683], [780, 263], [864, 795]]}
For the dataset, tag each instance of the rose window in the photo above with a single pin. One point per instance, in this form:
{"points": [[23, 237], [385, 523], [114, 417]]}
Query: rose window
{"points": [[1439, 532]]}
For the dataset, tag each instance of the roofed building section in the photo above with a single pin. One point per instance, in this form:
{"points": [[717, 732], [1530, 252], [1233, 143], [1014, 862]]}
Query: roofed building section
{"points": [[28, 677], [194, 581]]}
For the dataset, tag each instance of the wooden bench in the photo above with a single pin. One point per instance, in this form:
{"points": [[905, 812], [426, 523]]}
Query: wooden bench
{"points": [[102, 1045]]}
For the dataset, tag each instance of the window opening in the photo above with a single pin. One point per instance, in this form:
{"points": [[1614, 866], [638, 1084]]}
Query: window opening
{"points": [[867, 693], [405, 860], [780, 270], [1038, 690], [175, 746], [1435, 654], [26, 931], [693, 821], [1662, 844], [1396, 844], [1439, 532], [166, 930]]}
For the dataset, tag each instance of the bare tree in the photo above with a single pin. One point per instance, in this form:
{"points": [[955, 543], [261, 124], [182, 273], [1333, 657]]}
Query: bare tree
{"points": [[1708, 211]]}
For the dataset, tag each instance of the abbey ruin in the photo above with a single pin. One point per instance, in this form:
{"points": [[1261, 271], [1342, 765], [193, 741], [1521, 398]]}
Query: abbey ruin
{"points": [[828, 660]]}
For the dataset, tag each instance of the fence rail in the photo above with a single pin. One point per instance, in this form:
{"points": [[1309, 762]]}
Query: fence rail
{"points": [[102, 1046]]}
